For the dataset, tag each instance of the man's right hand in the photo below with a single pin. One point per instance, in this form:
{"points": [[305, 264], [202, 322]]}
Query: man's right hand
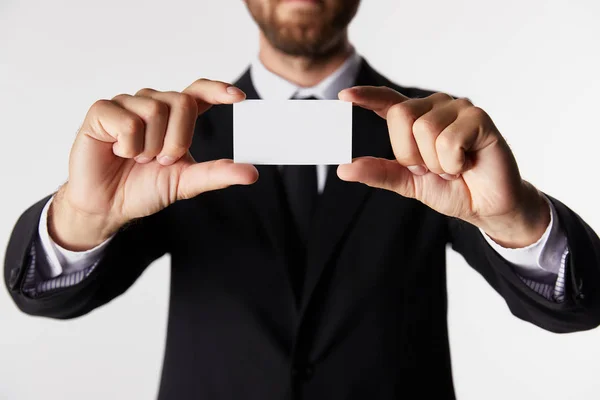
{"points": [[130, 159]]}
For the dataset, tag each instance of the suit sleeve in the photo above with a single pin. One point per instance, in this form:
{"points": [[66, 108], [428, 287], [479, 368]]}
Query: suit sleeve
{"points": [[130, 251], [580, 309]]}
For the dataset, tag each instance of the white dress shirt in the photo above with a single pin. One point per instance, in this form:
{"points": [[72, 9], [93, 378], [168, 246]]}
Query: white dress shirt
{"points": [[538, 264]]}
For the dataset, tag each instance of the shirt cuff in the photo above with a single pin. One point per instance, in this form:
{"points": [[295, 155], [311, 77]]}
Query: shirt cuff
{"points": [[63, 261], [542, 259]]}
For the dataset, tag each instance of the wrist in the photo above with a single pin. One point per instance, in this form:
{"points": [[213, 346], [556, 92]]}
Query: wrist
{"points": [[525, 225], [74, 229]]}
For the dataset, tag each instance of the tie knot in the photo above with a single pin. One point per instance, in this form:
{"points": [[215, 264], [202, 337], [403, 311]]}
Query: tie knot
{"points": [[305, 98]]}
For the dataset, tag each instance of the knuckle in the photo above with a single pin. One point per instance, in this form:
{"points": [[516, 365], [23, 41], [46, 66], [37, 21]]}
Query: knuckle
{"points": [[451, 155], [100, 104], [121, 97], [221, 163], [441, 97], [145, 92], [156, 108], [400, 112], [209, 173], [132, 126], [186, 103], [425, 126], [463, 102], [445, 143], [476, 113], [201, 81], [385, 179]]}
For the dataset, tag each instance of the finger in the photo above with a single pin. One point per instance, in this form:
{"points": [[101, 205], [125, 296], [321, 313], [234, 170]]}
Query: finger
{"points": [[457, 139], [380, 173], [377, 99], [426, 130], [155, 115], [177, 137], [214, 175], [439, 99], [400, 119], [110, 123], [207, 93]]}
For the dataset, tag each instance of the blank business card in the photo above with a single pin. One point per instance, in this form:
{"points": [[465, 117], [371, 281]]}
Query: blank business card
{"points": [[292, 132]]}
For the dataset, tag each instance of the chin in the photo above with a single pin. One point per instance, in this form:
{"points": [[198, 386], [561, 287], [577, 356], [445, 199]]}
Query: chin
{"points": [[309, 28]]}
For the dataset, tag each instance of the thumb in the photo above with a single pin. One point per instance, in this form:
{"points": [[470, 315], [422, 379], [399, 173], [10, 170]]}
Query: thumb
{"points": [[202, 177], [380, 173], [375, 98]]}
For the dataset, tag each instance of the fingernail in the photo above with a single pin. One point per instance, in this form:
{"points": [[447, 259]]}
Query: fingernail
{"points": [[449, 177], [142, 159], [234, 91], [417, 169], [166, 160]]}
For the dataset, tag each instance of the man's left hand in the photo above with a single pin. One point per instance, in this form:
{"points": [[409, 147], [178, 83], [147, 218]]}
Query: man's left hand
{"points": [[450, 156]]}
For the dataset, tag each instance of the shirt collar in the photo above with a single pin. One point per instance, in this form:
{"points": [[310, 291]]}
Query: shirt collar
{"points": [[270, 86]]}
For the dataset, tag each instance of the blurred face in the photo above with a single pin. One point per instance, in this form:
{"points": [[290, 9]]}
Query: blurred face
{"points": [[308, 28]]}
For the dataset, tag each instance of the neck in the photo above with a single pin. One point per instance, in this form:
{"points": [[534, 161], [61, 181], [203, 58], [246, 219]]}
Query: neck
{"points": [[303, 71]]}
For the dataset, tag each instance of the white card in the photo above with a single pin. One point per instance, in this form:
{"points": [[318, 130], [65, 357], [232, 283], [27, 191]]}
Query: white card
{"points": [[296, 132]]}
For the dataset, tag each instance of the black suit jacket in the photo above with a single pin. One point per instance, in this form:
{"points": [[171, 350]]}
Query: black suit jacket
{"points": [[369, 320]]}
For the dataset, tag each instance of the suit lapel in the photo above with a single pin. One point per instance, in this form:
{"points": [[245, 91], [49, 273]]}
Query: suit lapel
{"points": [[342, 201]]}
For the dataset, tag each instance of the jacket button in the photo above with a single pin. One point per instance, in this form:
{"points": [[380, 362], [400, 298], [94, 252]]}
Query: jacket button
{"points": [[308, 372], [303, 372]]}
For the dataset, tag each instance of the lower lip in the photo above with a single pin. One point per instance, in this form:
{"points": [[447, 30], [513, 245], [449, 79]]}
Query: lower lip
{"points": [[302, 1]]}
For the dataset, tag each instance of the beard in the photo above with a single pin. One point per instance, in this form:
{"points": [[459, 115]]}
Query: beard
{"points": [[314, 30]]}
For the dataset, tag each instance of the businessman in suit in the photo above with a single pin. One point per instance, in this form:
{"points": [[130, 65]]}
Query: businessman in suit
{"points": [[312, 282]]}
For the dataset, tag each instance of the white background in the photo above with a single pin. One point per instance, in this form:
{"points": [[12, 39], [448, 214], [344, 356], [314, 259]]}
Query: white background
{"points": [[533, 65]]}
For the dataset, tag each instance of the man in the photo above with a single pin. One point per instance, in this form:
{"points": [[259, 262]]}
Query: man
{"points": [[316, 282]]}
